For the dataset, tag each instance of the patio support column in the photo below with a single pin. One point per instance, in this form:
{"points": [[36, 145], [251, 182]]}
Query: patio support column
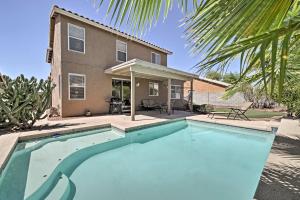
{"points": [[132, 95], [169, 96], [192, 90]]}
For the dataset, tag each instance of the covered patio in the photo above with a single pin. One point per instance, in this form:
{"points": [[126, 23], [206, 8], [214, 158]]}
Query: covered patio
{"points": [[136, 68]]}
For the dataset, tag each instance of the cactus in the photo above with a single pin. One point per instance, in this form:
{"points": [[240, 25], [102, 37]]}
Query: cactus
{"points": [[23, 101]]}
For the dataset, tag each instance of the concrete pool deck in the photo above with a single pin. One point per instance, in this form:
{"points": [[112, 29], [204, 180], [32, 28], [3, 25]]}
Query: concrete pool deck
{"points": [[46, 128]]}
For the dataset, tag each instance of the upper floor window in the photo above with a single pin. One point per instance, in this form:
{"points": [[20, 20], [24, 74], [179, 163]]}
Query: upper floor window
{"points": [[76, 86], [153, 89], [155, 58], [121, 51], [76, 38], [175, 92]]}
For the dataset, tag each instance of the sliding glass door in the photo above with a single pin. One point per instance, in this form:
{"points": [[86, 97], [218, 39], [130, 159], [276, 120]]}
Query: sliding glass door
{"points": [[121, 89]]}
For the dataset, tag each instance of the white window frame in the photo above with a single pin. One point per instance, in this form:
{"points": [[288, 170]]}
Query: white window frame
{"points": [[84, 86], [175, 91], [119, 41], [156, 54], [157, 89], [69, 24]]}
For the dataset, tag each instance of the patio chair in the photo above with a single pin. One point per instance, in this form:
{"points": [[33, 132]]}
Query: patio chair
{"points": [[150, 104], [240, 112], [212, 114], [235, 112]]}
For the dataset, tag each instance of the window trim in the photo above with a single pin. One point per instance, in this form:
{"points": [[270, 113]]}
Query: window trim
{"points": [[84, 86], [175, 91], [69, 24], [155, 58], [119, 41], [153, 85]]}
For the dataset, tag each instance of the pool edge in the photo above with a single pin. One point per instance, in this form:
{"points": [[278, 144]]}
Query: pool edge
{"points": [[24, 136]]}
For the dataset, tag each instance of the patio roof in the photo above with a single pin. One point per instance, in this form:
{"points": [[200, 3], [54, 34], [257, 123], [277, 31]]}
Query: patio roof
{"points": [[149, 70], [142, 69]]}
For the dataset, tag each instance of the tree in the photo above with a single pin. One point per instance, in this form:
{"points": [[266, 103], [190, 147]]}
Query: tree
{"points": [[23, 101], [231, 78], [264, 35], [214, 75]]}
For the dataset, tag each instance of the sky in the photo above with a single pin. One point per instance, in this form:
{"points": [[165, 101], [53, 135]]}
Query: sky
{"points": [[25, 33]]}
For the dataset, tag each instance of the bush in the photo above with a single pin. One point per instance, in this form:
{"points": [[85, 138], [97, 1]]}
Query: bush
{"points": [[291, 99], [23, 101]]}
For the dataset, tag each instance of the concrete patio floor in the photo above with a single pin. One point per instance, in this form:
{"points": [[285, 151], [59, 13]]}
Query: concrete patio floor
{"points": [[281, 176]]}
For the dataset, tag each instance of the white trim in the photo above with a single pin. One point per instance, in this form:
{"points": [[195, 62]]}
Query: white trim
{"points": [[119, 41], [153, 86], [57, 10], [160, 71], [76, 38], [121, 79], [175, 91], [84, 86], [156, 54]]}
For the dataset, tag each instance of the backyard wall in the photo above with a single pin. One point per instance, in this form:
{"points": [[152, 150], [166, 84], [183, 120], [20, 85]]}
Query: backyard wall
{"points": [[215, 98], [203, 86]]}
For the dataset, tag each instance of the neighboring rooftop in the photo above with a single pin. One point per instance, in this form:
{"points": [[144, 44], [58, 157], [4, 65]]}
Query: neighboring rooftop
{"points": [[220, 83], [57, 10]]}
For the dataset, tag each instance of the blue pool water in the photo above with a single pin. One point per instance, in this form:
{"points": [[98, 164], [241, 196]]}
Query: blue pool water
{"points": [[174, 161]]}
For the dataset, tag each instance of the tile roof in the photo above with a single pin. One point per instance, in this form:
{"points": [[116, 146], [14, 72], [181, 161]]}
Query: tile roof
{"points": [[114, 30]]}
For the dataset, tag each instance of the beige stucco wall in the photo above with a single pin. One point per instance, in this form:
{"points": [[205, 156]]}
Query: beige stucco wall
{"points": [[100, 47], [142, 91], [56, 65], [100, 54]]}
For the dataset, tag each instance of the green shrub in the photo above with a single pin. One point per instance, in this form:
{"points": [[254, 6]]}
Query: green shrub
{"points": [[23, 101], [291, 99]]}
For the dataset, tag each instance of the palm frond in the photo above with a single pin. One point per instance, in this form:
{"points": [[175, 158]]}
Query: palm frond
{"points": [[263, 33], [142, 14]]}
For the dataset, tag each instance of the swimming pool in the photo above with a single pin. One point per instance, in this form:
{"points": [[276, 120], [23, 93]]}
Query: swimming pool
{"points": [[178, 160]]}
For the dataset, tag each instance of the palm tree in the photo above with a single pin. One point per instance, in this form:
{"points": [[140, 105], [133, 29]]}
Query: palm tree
{"points": [[263, 34]]}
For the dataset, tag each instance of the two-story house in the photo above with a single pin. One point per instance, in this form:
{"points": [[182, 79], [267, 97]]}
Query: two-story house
{"points": [[91, 62]]}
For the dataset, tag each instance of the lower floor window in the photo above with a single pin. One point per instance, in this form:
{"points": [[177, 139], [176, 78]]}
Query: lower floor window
{"points": [[77, 86], [175, 91], [153, 89]]}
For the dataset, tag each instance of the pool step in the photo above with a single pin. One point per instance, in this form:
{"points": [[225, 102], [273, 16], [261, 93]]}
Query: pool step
{"points": [[63, 190]]}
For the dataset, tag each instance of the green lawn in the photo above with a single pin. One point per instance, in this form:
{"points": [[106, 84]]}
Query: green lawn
{"points": [[252, 113]]}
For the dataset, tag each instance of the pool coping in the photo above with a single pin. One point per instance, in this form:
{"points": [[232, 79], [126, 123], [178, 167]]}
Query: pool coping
{"points": [[26, 136], [7, 144], [251, 127]]}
